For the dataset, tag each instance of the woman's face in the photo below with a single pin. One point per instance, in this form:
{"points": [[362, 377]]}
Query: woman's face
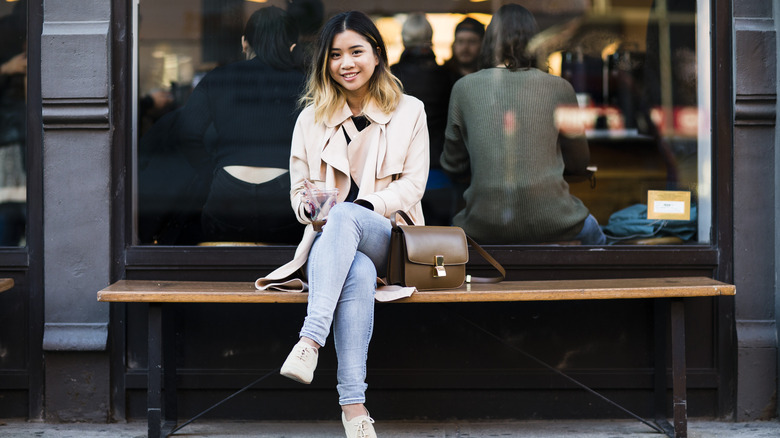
{"points": [[351, 63]]}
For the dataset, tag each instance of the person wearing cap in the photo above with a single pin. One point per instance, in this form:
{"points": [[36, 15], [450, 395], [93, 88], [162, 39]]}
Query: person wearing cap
{"points": [[426, 80], [465, 48]]}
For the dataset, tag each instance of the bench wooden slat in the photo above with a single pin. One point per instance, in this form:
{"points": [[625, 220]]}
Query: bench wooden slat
{"points": [[549, 290]]}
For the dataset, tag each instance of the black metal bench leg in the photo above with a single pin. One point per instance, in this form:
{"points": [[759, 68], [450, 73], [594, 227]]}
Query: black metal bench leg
{"points": [[154, 372], [679, 397], [661, 307], [170, 408], [161, 417]]}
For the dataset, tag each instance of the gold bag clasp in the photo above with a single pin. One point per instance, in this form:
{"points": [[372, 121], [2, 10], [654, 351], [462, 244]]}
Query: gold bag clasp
{"points": [[438, 266]]}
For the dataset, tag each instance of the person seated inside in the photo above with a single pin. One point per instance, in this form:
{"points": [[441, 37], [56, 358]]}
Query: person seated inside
{"points": [[501, 130], [241, 116]]}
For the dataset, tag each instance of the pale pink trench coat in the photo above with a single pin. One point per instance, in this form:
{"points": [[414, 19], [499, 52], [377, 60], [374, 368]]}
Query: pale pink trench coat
{"points": [[389, 160]]}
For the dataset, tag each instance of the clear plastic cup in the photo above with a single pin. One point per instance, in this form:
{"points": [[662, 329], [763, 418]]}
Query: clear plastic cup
{"points": [[320, 202]]}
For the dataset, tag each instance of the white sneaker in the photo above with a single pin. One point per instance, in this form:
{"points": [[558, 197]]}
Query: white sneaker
{"points": [[300, 363], [361, 426]]}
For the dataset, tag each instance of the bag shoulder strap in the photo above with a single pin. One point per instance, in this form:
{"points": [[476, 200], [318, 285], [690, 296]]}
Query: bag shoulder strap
{"points": [[472, 242], [403, 215], [491, 260]]}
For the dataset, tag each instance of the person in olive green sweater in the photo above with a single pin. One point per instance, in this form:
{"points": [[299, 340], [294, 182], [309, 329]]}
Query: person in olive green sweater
{"points": [[501, 130]]}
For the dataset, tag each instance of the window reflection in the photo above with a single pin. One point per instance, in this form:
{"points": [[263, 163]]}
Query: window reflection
{"points": [[632, 64], [13, 110]]}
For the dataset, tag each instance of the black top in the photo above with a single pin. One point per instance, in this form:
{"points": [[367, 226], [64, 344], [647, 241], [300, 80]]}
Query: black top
{"points": [[360, 123], [252, 109]]}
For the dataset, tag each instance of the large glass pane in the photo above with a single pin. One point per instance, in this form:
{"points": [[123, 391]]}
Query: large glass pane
{"points": [[639, 70], [13, 121]]}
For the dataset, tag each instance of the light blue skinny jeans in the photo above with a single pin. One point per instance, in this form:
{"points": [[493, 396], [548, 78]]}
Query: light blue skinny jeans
{"points": [[342, 269]]}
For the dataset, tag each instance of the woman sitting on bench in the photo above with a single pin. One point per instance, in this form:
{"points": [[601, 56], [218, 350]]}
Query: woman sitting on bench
{"points": [[358, 133]]}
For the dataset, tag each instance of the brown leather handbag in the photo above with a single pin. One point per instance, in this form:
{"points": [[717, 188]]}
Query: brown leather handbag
{"points": [[432, 257]]}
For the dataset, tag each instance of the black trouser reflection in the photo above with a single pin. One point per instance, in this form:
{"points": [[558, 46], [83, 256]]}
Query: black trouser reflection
{"points": [[239, 211]]}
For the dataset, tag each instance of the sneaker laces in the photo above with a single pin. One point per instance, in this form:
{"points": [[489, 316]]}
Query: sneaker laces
{"points": [[362, 431], [304, 353]]}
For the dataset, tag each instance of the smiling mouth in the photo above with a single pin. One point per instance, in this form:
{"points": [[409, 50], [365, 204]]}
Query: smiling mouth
{"points": [[349, 75]]}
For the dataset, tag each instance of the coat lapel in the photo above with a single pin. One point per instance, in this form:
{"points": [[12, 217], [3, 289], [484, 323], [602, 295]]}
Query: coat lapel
{"points": [[367, 150], [380, 119], [363, 155], [334, 151]]}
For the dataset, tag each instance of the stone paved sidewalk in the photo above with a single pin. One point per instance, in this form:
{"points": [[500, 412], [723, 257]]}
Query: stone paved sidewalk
{"points": [[472, 429]]}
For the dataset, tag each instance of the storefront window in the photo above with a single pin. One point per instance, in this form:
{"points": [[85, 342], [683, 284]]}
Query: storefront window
{"points": [[13, 124], [639, 70]]}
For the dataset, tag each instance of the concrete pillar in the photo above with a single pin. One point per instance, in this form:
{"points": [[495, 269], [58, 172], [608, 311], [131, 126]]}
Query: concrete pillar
{"points": [[777, 214], [755, 170], [75, 78]]}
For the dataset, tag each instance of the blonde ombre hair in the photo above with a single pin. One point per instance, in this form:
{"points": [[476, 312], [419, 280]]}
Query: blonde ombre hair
{"points": [[324, 93]]}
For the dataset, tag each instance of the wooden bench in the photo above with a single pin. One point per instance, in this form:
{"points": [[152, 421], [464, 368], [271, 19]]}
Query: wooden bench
{"points": [[161, 407]]}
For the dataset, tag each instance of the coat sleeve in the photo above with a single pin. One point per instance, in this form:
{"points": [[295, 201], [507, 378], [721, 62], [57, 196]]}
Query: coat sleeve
{"points": [[407, 188], [299, 169]]}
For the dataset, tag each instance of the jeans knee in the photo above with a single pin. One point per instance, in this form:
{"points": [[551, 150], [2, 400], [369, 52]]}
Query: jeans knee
{"points": [[362, 273], [343, 211]]}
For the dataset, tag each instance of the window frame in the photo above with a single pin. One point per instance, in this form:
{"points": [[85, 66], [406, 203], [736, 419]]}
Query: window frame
{"points": [[521, 261], [24, 263]]}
